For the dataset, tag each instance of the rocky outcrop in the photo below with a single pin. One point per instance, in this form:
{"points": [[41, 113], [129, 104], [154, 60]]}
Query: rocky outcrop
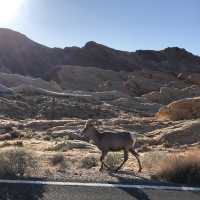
{"points": [[6, 136], [5, 90], [188, 108], [15, 80], [186, 133], [14, 108], [32, 91], [58, 107], [88, 78], [192, 78], [136, 106], [168, 94], [137, 85], [93, 79]]}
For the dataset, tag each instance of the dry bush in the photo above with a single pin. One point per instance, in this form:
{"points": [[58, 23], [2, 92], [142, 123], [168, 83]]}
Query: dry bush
{"points": [[152, 160], [60, 161], [57, 159], [69, 145], [18, 143], [89, 162], [28, 133], [113, 159], [46, 137], [180, 169], [16, 162]]}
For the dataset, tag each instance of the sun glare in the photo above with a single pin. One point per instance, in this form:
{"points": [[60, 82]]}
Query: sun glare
{"points": [[9, 10]]}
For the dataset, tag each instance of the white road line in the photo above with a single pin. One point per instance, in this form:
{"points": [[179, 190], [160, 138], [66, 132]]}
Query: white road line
{"points": [[155, 187]]}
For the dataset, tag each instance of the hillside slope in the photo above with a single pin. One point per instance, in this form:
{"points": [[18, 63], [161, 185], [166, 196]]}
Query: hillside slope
{"points": [[19, 54]]}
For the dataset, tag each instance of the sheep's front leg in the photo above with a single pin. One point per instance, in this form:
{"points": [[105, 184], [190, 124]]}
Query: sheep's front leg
{"points": [[125, 159]]}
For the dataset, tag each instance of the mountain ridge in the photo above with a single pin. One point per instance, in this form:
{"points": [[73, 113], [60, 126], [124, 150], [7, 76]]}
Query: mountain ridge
{"points": [[21, 55]]}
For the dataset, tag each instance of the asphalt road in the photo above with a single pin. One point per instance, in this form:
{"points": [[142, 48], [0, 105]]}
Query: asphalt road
{"points": [[65, 192]]}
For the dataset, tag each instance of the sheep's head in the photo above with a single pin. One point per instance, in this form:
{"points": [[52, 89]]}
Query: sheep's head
{"points": [[88, 130], [89, 123]]}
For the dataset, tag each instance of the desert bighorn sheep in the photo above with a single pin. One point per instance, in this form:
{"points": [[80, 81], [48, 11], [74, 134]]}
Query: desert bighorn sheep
{"points": [[109, 141]]}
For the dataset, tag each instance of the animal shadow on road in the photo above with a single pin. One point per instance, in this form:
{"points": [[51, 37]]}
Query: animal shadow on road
{"points": [[134, 192], [21, 191]]}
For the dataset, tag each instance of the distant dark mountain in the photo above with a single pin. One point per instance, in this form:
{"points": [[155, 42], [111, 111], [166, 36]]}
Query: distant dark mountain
{"points": [[172, 59], [19, 54]]}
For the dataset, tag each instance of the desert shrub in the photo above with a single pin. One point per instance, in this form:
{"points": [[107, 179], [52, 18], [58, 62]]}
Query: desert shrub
{"points": [[68, 145], [18, 143], [60, 161], [16, 162], [46, 137], [180, 169], [89, 162], [28, 133], [151, 160], [113, 159], [57, 159]]}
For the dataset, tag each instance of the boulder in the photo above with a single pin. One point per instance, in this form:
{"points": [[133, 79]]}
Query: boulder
{"points": [[188, 108], [192, 78], [14, 109], [5, 90], [14, 80], [167, 95], [136, 105], [138, 85], [186, 133], [88, 78], [6, 136]]}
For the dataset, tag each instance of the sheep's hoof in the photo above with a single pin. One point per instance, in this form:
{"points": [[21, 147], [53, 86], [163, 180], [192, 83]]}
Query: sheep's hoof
{"points": [[140, 170], [115, 170], [101, 169]]}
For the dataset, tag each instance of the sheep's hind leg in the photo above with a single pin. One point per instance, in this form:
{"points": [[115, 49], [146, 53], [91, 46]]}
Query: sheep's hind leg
{"points": [[103, 155], [134, 153]]}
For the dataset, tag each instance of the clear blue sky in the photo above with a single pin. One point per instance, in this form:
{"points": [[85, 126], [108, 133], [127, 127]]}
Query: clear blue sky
{"points": [[121, 24]]}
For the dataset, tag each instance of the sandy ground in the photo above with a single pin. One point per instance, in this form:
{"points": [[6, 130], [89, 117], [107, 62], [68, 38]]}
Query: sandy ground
{"points": [[47, 139]]}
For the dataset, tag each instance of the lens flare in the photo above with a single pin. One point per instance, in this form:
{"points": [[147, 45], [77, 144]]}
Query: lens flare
{"points": [[9, 10]]}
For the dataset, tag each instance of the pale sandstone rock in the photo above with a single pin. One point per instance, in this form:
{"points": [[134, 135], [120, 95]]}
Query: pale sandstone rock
{"points": [[6, 136], [188, 108], [168, 94], [14, 80], [185, 133]]}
